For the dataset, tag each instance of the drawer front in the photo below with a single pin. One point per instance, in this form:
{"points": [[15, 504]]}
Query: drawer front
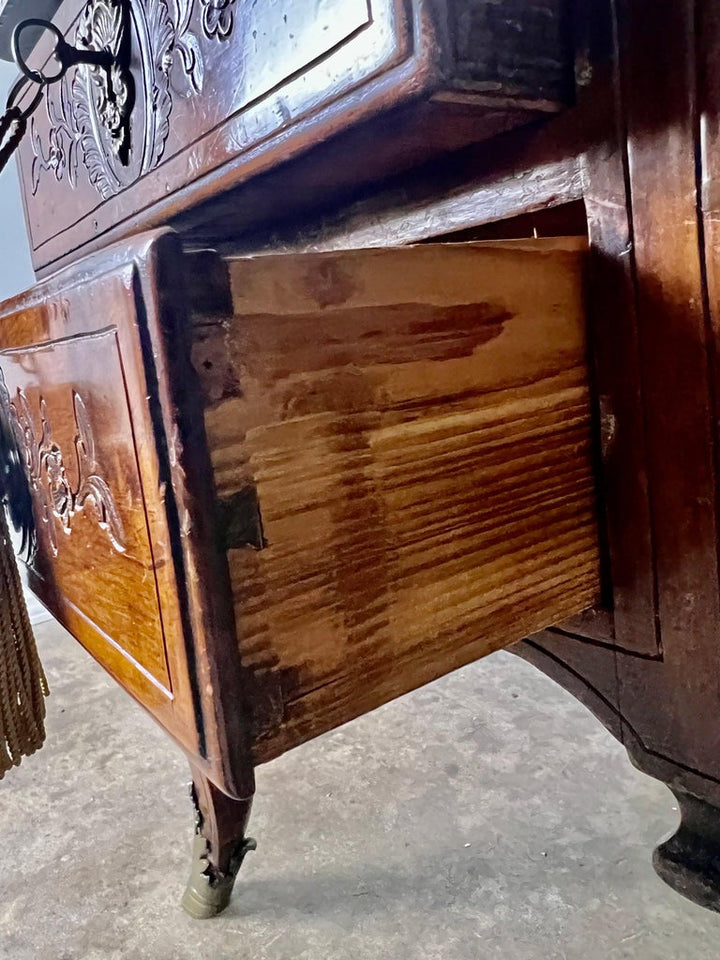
{"points": [[211, 78], [219, 91], [379, 469]]}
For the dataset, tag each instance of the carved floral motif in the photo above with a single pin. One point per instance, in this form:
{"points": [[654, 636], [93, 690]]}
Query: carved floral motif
{"points": [[89, 113], [56, 500], [218, 18], [59, 157]]}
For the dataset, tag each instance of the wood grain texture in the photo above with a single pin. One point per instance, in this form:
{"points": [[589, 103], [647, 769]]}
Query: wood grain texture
{"points": [[618, 379], [658, 234], [514, 46], [94, 561], [409, 430], [531, 169]]}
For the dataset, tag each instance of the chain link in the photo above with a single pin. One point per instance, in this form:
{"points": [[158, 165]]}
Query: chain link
{"points": [[13, 122]]}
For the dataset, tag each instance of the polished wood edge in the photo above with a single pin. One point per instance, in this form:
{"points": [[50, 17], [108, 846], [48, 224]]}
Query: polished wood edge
{"points": [[200, 563], [153, 264], [126, 252], [517, 172]]}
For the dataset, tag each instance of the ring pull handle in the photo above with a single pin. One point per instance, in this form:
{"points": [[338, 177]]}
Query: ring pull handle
{"points": [[114, 88], [66, 55]]}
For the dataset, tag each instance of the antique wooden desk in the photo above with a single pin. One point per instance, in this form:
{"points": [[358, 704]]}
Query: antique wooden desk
{"points": [[292, 456]]}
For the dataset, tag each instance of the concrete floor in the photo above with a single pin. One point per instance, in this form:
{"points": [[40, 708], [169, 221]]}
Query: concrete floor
{"points": [[485, 816]]}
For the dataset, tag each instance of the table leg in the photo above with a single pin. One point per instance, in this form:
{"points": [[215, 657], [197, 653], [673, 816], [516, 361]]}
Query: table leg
{"points": [[219, 848]]}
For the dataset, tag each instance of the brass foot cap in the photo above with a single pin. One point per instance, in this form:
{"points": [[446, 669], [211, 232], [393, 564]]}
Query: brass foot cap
{"points": [[208, 892]]}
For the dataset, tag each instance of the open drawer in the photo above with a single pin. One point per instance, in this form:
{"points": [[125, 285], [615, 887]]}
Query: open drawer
{"points": [[275, 492]]}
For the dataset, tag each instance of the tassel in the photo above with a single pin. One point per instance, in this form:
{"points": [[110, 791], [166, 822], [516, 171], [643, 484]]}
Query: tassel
{"points": [[23, 686]]}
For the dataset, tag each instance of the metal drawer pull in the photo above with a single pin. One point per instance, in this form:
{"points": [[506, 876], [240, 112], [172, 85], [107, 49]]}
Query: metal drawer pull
{"points": [[66, 55]]}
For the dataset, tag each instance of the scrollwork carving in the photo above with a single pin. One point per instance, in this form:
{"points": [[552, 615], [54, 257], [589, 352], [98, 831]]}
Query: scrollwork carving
{"points": [[89, 112], [217, 18], [60, 157], [186, 47], [57, 501]]}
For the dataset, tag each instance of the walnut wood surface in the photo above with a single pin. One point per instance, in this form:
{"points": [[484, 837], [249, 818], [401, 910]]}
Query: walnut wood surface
{"points": [[677, 343], [113, 450], [658, 232], [618, 378], [667, 702], [400, 468], [226, 91], [73, 338], [404, 439], [70, 395]]}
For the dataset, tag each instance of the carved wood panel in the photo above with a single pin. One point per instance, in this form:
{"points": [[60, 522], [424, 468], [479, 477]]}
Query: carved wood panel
{"points": [[78, 388], [195, 63], [223, 91], [68, 408], [100, 393], [57, 498]]}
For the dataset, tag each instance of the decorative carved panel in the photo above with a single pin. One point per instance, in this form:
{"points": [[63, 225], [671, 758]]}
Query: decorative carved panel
{"points": [[211, 80], [68, 408], [113, 127], [217, 18], [122, 547], [58, 499]]}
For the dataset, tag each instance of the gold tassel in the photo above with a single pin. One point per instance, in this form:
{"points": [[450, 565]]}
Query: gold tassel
{"points": [[23, 686]]}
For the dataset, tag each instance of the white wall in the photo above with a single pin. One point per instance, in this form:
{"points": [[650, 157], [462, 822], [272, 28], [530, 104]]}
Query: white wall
{"points": [[16, 273]]}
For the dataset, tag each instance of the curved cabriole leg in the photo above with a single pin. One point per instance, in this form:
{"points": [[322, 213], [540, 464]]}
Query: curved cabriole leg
{"points": [[219, 848], [690, 860]]}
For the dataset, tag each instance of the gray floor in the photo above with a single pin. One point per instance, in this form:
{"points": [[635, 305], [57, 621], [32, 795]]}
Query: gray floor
{"points": [[486, 816]]}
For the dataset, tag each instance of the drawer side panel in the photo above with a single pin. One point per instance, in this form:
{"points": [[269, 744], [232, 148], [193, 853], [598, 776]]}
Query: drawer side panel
{"points": [[401, 442]]}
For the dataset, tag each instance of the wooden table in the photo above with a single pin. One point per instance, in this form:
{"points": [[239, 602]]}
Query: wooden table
{"points": [[290, 460]]}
